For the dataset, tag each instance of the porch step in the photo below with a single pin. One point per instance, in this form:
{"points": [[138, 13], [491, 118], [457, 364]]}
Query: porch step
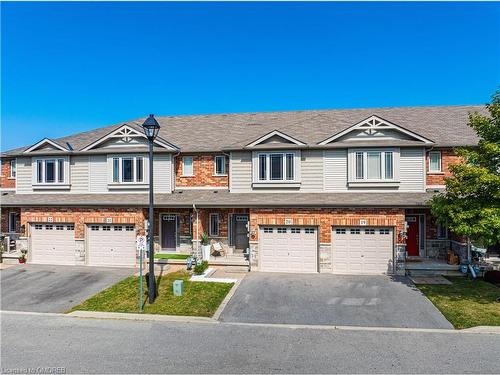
{"points": [[434, 272]]}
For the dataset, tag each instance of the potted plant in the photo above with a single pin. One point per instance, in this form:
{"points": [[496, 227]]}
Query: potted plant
{"points": [[205, 247], [22, 258]]}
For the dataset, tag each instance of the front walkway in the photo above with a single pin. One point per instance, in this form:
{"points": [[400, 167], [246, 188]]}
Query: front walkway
{"points": [[325, 299]]}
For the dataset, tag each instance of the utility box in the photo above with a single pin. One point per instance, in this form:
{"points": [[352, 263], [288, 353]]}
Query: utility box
{"points": [[178, 287]]}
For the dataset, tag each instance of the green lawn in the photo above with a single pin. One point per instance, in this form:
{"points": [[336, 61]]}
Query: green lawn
{"points": [[466, 303], [199, 298], [172, 256]]}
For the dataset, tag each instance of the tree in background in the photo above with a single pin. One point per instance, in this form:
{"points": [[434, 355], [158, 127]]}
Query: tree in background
{"points": [[471, 203]]}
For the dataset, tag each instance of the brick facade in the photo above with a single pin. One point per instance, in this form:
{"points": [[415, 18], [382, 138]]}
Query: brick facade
{"points": [[7, 182], [5, 219], [448, 157], [81, 216], [203, 172], [325, 218]]}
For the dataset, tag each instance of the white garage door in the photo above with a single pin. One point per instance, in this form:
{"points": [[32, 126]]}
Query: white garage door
{"points": [[360, 250], [111, 245], [288, 249], [52, 243]]}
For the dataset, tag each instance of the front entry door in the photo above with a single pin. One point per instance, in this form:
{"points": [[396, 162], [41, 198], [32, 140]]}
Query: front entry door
{"points": [[412, 247], [168, 232], [240, 232]]}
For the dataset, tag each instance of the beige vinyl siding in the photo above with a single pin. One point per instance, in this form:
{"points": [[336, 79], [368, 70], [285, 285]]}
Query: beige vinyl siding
{"points": [[79, 174], [335, 170], [411, 169], [98, 177], [312, 171], [24, 176], [241, 172], [162, 173]]}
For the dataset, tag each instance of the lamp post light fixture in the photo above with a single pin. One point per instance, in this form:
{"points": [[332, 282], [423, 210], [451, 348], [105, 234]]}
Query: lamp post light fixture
{"points": [[151, 129]]}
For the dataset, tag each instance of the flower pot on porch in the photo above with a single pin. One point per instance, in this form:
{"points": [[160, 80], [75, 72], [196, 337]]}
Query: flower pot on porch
{"points": [[205, 252]]}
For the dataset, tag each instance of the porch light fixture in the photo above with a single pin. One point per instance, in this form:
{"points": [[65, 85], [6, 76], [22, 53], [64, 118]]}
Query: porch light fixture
{"points": [[151, 128]]}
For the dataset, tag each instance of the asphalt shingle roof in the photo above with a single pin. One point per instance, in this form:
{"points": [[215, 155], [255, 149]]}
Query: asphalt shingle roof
{"points": [[445, 125], [217, 198]]}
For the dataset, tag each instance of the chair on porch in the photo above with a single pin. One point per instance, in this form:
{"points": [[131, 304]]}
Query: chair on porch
{"points": [[217, 249]]}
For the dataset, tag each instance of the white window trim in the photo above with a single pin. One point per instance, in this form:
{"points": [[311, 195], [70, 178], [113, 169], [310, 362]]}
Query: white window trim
{"points": [[215, 166], [192, 166], [353, 181], [210, 231], [276, 183], [440, 163], [13, 168], [120, 183], [50, 185]]}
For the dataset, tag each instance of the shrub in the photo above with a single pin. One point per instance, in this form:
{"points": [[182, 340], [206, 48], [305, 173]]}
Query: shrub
{"points": [[204, 238], [200, 268]]}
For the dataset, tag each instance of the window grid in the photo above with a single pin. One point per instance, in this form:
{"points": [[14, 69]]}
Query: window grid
{"points": [[214, 224], [38, 226], [129, 228], [295, 230], [370, 231], [106, 228], [355, 231], [268, 230], [127, 169], [340, 231], [59, 227], [94, 227], [49, 227], [117, 228], [309, 230], [276, 167], [220, 165], [384, 231], [70, 227], [374, 165], [281, 230]]}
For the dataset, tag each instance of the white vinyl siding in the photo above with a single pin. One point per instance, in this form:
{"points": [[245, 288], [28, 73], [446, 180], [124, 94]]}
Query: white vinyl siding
{"points": [[162, 173], [335, 170], [312, 171], [79, 174], [412, 170], [241, 171], [24, 178], [98, 174]]}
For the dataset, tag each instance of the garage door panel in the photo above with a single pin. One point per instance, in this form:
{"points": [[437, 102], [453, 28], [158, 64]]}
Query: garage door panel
{"points": [[362, 250], [111, 245], [52, 246], [288, 249]]}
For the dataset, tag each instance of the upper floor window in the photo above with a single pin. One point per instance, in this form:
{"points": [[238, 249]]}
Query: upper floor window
{"points": [[434, 161], [276, 166], [127, 169], [13, 168], [220, 165], [187, 166], [50, 171], [374, 165]]}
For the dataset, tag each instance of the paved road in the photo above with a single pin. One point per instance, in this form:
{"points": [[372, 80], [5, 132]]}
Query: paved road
{"points": [[123, 346], [325, 299], [45, 288]]}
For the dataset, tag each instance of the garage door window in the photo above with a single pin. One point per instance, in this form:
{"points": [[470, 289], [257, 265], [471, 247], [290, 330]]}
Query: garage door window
{"points": [[268, 230], [106, 228], [59, 227], [384, 231], [117, 228], [38, 226], [94, 227], [309, 230], [129, 228], [369, 231], [340, 231], [49, 227], [281, 230], [355, 231], [295, 230]]}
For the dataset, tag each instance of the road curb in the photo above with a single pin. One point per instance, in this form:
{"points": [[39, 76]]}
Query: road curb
{"points": [[143, 317], [226, 300]]}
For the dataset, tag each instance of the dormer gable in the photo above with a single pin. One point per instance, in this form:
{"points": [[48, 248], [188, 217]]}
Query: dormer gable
{"points": [[126, 136], [375, 128], [276, 137], [47, 144]]}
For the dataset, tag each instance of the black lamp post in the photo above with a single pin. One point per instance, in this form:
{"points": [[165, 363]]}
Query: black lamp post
{"points": [[151, 129]]}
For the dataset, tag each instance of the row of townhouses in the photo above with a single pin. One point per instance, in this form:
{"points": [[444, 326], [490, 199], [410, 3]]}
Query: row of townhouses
{"points": [[342, 191]]}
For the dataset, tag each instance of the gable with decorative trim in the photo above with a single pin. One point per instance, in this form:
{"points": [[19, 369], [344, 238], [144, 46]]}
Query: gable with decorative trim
{"points": [[375, 128], [276, 137]]}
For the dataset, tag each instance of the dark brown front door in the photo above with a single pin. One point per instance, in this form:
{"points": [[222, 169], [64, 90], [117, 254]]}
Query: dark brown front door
{"points": [[168, 231], [240, 232], [413, 236]]}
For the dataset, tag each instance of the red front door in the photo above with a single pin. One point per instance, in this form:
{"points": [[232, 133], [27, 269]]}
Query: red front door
{"points": [[412, 240]]}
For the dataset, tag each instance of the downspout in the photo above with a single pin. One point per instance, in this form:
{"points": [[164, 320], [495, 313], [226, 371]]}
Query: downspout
{"points": [[174, 170], [228, 170], [197, 231]]}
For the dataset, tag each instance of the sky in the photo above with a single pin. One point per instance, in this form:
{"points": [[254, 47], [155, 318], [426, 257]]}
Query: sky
{"points": [[70, 67]]}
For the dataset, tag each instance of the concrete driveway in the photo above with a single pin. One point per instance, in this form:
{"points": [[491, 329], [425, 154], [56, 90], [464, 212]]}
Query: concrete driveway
{"points": [[322, 299], [44, 288]]}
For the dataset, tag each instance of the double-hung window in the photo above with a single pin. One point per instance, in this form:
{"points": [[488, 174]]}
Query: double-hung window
{"points": [[50, 171], [220, 165], [442, 231], [435, 162], [373, 165], [187, 166], [276, 167], [127, 169], [13, 168]]}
